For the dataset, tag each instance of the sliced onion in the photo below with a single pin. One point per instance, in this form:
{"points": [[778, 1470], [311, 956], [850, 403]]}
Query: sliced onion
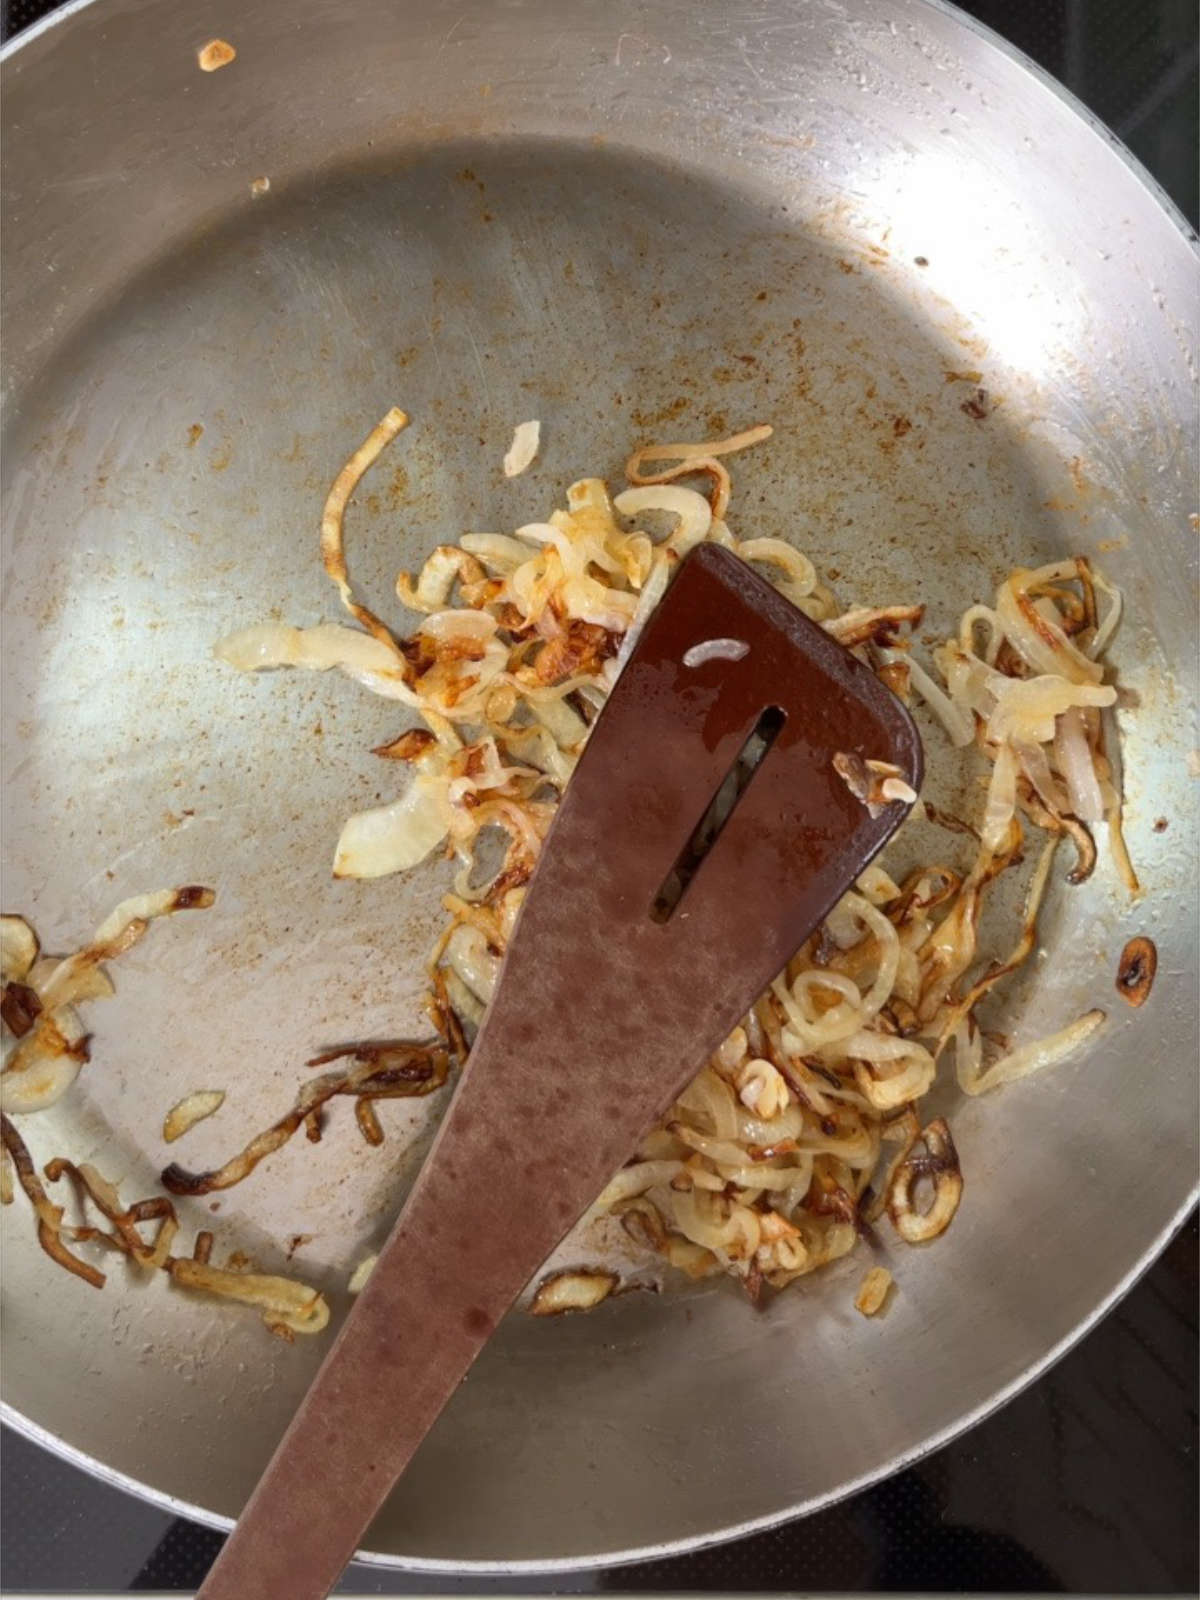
{"points": [[520, 454], [358, 655], [193, 1108], [572, 1291], [395, 837], [955, 718], [1001, 800], [284, 1303], [1031, 1057], [333, 553], [692, 510], [18, 949], [873, 1292], [1075, 762]]}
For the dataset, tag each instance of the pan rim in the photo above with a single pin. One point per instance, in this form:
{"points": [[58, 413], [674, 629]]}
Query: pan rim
{"points": [[687, 1545]]}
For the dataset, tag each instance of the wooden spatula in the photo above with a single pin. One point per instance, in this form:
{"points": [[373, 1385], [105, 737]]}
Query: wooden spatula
{"points": [[649, 928]]}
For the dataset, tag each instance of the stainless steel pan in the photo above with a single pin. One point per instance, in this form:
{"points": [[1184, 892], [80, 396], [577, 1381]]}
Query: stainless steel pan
{"points": [[621, 218]]}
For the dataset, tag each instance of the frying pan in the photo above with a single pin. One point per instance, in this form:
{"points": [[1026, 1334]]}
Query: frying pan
{"points": [[624, 219]]}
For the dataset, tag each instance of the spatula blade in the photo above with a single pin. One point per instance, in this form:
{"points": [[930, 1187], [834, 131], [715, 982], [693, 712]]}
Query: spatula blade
{"points": [[612, 995]]}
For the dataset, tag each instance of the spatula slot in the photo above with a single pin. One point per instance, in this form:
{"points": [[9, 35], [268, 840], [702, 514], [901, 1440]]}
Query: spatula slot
{"points": [[718, 812]]}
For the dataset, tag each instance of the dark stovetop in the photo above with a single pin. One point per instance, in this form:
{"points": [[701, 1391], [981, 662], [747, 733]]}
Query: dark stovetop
{"points": [[1087, 1482]]}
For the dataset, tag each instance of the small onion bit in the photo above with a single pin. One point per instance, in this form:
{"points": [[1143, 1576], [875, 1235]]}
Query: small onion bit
{"points": [[524, 448], [873, 1292], [193, 1108], [217, 53], [577, 1290], [940, 1165], [1136, 970], [875, 784]]}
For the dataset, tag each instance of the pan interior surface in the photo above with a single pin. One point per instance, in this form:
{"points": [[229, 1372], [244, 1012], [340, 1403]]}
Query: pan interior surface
{"points": [[865, 225]]}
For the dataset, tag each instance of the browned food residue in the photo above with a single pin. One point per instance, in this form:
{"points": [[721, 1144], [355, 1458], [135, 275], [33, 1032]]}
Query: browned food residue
{"points": [[1135, 972], [215, 54]]}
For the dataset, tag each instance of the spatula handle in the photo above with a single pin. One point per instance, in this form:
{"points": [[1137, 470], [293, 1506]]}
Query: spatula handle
{"points": [[452, 1266]]}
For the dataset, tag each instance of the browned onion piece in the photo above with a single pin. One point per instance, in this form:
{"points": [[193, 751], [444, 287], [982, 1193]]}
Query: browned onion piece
{"points": [[875, 626], [49, 1216], [940, 1164], [368, 1121], [572, 1291], [386, 1070], [411, 745], [333, 553], [1085, 849], [287, 1306], [1136, 969], [107, 1201], [873, 1292], [643, 1222]]}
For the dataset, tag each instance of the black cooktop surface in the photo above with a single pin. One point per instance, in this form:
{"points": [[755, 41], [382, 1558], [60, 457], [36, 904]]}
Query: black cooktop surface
{"points": [[1087, 1482]]}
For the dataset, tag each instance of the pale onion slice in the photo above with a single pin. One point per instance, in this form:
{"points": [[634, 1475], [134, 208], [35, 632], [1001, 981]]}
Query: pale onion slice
{"points": [[467, 954], [193, 1108], [18, 949], [1038, 640], [500, 551], [1027, 1058], [653, 590], [527, 437], [43, 1075], [691, 452], [445, 567], [873, 1292], [118, 926], [358, 1278], [1075, 762], [954, 717], [395, 837], [1001, 799], [1026, 708], [799, 574], [275, 644], [692, 510], [572, 1291]]}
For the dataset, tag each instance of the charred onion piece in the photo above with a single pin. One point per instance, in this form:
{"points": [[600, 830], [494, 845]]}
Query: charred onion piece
{"points": [[940, 1164], [49, 1216], [1135, 972], [20, 1008], [386, 1070]]}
